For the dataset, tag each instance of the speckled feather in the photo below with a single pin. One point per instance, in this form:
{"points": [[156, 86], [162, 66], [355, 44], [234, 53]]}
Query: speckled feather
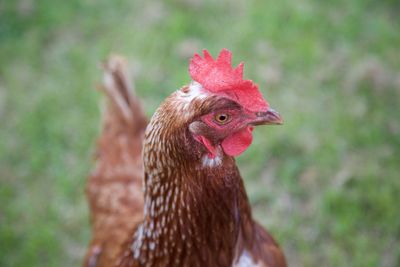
{"points": [[196, 211]]}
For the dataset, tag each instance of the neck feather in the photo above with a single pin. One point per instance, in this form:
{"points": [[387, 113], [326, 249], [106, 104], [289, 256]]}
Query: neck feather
{"points": [[193, 212]]}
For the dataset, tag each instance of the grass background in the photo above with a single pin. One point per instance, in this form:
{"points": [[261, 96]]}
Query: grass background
{"points": [[326, 183]]}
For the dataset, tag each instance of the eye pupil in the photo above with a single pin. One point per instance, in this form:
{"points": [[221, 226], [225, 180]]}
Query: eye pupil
{"points": [[222, 117]]}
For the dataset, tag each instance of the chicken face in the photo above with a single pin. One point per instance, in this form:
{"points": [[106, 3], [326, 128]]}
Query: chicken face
{"points": [[229, 125]]}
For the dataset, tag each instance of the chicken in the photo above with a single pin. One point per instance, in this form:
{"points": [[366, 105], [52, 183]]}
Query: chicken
{"points": [[194, 210]]}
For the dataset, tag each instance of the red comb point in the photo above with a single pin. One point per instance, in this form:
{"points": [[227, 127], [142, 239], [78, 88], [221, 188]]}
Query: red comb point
{"points": [[218, 76]]}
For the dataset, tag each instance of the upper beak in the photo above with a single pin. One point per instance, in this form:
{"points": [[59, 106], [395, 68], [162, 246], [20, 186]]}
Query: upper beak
{"points": [[267, 118]]}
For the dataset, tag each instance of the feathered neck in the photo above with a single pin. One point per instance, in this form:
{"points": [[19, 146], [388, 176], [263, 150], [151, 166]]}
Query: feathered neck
{"points": [[193, 213]]}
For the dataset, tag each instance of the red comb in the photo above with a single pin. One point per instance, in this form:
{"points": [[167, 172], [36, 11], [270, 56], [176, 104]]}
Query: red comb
{"points": [[218, 76]]}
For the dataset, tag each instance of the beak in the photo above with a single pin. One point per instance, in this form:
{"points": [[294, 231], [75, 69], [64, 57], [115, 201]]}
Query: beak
{"points": [[268, 117]]}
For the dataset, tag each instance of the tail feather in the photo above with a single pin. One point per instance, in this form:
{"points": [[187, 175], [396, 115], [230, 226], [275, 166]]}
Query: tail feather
{"points": [[114, 187], [120, 91]]}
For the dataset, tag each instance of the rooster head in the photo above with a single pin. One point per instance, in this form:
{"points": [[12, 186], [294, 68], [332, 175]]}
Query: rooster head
{"points": [[230, 106]]}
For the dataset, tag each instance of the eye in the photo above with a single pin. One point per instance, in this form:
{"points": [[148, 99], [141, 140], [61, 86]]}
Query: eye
{"points": [[222, 118]]}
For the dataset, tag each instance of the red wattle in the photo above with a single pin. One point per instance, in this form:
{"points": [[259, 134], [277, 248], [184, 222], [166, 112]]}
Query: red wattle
{"points": [[237, 143]]}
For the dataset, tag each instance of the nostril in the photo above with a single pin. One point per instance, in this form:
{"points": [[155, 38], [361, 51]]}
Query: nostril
{"points": [[261, 114]]}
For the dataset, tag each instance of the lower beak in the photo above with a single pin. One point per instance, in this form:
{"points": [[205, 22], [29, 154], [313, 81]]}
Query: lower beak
{"points": [[268, 117]]}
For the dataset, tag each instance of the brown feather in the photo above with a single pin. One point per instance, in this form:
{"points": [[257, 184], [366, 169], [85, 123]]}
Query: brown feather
{"points": [[114, 188]]}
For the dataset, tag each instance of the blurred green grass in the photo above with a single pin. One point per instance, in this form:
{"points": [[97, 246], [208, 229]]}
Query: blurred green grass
{"points": [[326, 183]]}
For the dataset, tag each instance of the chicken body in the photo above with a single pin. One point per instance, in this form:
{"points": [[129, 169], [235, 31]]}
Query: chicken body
{"points": [[114, 187], [196, 211]]}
